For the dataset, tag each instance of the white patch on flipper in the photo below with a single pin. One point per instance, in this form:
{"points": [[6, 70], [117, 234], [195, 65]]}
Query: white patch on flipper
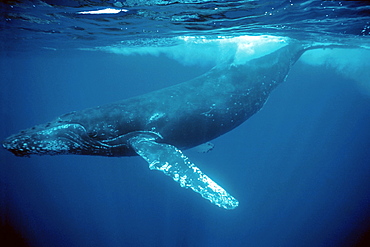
{"points": [[173, 163]]}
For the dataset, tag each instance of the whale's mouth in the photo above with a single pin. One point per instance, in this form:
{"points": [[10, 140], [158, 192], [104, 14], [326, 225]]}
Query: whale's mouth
{"points": [[49, 139], [70, 138]]}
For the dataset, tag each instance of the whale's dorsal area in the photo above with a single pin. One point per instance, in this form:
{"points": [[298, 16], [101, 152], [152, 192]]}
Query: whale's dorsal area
{"points": [[158, 125]]}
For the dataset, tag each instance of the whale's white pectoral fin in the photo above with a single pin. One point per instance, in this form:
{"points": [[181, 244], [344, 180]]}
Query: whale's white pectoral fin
{"points": [[174, 163]]}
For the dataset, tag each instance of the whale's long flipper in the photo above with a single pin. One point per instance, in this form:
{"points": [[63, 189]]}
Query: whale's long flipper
{"points": [[174, 163]]}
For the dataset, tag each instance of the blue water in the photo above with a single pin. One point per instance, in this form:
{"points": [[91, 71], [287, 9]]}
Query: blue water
{"points": [[300, 167]]}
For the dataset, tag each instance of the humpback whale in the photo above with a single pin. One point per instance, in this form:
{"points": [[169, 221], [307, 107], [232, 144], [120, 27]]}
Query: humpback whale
{"points": [[158, 125]]}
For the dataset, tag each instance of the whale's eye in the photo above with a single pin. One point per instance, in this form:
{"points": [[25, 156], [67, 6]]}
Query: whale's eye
{"points": [[92, 134]]}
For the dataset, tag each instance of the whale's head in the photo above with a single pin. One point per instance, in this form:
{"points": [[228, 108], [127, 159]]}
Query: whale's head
{"points": [[68, 135], [89, 132], [51, 138]]}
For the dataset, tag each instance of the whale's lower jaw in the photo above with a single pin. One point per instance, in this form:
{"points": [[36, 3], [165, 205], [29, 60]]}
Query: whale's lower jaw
{"points": [[70, 138], [51, 139]]}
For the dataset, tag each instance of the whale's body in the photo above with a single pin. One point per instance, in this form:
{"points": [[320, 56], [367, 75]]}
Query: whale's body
{"points": [[158, 124]]}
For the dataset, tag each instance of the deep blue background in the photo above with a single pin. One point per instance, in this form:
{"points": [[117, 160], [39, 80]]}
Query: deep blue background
{"points": [[300, 167]]}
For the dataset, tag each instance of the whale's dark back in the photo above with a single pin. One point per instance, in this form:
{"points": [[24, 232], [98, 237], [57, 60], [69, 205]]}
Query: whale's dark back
{"points": [[184, 115]]}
